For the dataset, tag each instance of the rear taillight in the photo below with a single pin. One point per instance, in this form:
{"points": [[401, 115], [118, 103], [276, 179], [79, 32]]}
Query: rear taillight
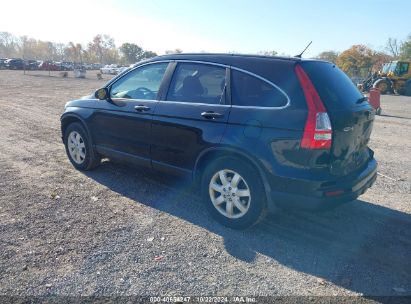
{"points": [[317, 131]]}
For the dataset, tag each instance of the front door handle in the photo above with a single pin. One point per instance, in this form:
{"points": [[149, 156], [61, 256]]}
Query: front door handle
{"points": [[141, 108], [211, 115]]}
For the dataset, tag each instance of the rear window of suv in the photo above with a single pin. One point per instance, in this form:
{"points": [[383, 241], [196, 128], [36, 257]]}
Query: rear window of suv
{"points": [[335, 88]]}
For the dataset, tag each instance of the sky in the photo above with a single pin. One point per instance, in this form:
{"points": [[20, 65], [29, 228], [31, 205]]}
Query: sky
{"points": [[284, 26]]}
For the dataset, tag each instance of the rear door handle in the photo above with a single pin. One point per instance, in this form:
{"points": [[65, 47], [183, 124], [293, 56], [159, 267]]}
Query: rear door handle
{"points": [[141, 108], [211, 115]]}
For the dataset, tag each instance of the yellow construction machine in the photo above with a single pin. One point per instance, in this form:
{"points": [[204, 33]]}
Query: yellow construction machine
{"points": [[394, 77]]}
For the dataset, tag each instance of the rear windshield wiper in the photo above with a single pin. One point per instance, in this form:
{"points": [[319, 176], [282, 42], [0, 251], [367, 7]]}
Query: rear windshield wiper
{"points": [[360, 100]]}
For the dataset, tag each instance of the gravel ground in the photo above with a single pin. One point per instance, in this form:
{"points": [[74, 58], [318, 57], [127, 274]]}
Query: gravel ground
{"points": [[121, 231]]}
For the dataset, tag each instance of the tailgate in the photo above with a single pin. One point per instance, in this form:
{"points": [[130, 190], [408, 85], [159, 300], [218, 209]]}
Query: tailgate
{"points": [[350, 114], [351, 134]]}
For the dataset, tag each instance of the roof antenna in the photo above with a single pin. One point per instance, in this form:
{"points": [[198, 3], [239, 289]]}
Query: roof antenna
{"points": [[299, 55]]}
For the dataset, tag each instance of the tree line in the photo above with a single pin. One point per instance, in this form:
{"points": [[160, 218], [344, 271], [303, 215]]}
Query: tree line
{"points": [[360, 60], [101, 49], [357, 61]]}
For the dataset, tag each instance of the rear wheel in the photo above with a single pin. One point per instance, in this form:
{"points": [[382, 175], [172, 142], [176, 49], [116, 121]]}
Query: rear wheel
{"points": [[233, 193], [79, 148], [383, 86]]}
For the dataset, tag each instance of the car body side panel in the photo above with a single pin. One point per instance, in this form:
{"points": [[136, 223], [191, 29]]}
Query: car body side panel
{"points": [[115, 126], [118, 126], [180, 133], [76, 113]]}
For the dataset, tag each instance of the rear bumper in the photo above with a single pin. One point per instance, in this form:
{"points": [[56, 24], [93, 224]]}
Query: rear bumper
{"points": [[350, 187]]}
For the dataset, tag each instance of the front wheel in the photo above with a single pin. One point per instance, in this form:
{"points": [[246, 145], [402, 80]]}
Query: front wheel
{"points": [[383, 86], [79, 148], [233, 193]]}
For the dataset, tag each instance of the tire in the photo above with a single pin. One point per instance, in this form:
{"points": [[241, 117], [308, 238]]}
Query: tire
{"points": [[76, 139], [383, 86], [227, 210]]}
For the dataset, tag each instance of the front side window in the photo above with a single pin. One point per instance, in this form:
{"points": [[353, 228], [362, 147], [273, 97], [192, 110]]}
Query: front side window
{"points": [[198, 83], [141, 83], [248, 90]]}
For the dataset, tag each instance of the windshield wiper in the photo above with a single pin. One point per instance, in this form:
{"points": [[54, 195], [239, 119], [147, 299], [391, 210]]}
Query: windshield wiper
{"points": [[360, 100]]}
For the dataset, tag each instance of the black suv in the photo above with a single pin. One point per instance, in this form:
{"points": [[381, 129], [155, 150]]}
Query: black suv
{"points": [[254, 132]]}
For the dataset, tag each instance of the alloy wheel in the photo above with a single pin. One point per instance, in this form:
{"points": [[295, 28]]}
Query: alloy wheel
{"points": [[76, 147], [230, 193]]}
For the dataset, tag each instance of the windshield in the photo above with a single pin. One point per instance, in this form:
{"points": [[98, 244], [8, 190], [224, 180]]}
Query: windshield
{"points": [[389, 67]]}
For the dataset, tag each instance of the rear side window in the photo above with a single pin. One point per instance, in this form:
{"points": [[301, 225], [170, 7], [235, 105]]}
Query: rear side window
{"points": [[198, 83], [335, 88], [248, 90]]}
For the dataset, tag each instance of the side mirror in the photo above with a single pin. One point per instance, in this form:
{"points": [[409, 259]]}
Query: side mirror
{"points": [[102, 94]]}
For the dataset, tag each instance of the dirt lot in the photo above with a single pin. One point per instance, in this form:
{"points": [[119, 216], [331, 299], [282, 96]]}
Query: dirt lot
{"points": [[118, 230]]}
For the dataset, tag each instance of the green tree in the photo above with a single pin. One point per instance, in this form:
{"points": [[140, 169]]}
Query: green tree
{"points": [[393, 47], [103, 49], [131, 52], [356, 61], [360, 60], [59, 48], [149, 54], [74, 52], [379, 58], [405, 49], [8, 45], [330, 56]]}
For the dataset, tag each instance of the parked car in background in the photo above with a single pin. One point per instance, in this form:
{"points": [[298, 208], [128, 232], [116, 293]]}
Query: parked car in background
{"points": [[78, 66], [31, 65], [49, 66], [109, 69], [122, 69], [252, 132], [14, 64], [66, 66], [2, 63], [88, 66], [97, 66]]}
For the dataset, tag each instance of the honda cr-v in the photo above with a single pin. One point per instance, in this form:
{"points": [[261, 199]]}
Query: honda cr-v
{"points": [[254, 132]]}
